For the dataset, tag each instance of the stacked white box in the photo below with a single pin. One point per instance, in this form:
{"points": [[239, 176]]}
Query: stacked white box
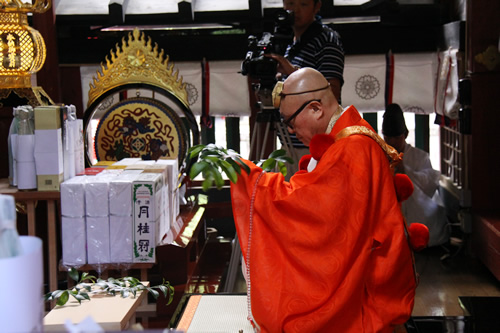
{"points": [[48, 148], [97, 217], [121, 227], [174, 200], [73, 227], [165, 221], [79, 146], [147, 199]]}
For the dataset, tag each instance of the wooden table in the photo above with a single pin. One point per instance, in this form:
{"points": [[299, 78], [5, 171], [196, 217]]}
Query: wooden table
{"points": [[112, 313], [30, 198]]}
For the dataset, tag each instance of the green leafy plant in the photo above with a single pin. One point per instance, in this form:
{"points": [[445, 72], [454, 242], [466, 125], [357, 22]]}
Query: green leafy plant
{"points": [[88, 284], [211, 159], [276, 159]]}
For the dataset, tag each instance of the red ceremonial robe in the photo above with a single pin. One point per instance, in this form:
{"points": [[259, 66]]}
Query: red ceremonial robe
{"points": [[327, 251]]}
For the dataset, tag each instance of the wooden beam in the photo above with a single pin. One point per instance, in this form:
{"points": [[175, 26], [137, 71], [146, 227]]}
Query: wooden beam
{"points": [[117, 10], [186, 12]]}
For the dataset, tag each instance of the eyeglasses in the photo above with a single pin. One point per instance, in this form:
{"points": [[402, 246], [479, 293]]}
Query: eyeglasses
{"points": [[278, 93], [296, 113]]}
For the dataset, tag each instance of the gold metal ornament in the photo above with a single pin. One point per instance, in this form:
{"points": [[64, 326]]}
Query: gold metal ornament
{"points": [[22, 49], [490, 57], [137, 61]]}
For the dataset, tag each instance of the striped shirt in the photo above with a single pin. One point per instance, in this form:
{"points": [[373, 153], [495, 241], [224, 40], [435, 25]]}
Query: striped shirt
{"points": [[320, 48]]}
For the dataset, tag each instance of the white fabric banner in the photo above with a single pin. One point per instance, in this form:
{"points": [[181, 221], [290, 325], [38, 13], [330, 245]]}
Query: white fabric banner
{"points": [[364, 82], [191, 75], [414, 82], [228, 89], [446, 99]]}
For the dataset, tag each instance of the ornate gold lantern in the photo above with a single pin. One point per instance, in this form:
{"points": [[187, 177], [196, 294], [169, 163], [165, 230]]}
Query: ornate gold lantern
{"points": [[22, 49]]}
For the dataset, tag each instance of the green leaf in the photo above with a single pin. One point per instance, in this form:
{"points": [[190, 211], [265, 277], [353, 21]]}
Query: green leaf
{"points": [[219, 181], [195, 150], [163, 289], [282, 168], [56, 294], [269, 164], [63, 298], [207, 182], [47, 297], [80, 298], [196, 168], [229, 171], [286, 159], [235, 165], [74, 275], [154, 293], [243, 165], [86, 276], [277, 153]]}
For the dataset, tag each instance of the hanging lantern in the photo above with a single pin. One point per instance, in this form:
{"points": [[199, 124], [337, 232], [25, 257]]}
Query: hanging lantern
{"points": [[22, 49]]}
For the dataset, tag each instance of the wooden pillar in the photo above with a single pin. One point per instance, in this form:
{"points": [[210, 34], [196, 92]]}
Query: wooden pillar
{"points": [[484, 67], [48, 77]]}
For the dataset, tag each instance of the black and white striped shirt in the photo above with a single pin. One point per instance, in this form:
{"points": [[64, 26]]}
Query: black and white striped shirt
{"points": [[320, 48]]}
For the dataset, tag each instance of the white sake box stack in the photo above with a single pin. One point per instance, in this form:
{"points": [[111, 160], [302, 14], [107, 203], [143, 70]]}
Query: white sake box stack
{"points": [[164, 224], [173, 192], [121, 230], [147, 194], [48, 148], [97, 218], [73, 227]]}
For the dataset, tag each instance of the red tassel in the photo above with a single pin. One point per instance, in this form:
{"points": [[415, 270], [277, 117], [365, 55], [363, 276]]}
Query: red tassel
{"points": [[419, 236], [404, 187], [304, 162]]}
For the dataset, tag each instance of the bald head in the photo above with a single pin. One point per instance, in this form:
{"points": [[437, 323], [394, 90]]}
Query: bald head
{"points": [[304, 79], [307, 103]]}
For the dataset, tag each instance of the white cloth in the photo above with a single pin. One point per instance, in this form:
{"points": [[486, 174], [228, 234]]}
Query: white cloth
{"points": [[424, 205], [414, 79], [364, 82]]}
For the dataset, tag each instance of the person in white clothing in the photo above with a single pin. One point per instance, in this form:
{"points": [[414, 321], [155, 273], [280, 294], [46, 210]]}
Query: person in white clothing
{"points": [[425, 204]]}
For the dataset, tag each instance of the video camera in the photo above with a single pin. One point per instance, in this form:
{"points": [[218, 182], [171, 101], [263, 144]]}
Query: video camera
{"points": [[258, 66]]}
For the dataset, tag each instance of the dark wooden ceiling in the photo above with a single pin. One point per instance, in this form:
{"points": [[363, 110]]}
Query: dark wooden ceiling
{"points": [[402, 29]]}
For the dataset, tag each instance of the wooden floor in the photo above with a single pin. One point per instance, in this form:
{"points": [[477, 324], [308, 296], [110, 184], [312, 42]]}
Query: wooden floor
{"points": [[446, 273]]}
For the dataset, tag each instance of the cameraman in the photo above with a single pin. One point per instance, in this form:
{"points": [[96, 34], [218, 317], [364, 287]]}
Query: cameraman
{"points": [[314, 45]]}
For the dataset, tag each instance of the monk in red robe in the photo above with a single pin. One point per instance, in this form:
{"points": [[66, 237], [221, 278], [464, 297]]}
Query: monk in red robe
{"points": [[326, 251]]}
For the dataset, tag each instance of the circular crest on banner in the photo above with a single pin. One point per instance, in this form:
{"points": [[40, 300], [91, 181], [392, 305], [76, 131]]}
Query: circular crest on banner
{"points": [[367, 87], [140, 127]]}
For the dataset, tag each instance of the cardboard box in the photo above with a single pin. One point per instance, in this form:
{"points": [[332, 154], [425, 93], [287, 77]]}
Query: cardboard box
{"points": [[48, 117], [49, 182]]}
